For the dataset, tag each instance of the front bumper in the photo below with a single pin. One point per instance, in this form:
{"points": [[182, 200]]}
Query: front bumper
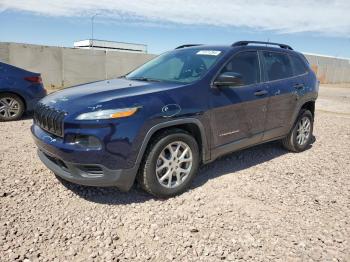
{"points": [[84, 167], [88, 175]]}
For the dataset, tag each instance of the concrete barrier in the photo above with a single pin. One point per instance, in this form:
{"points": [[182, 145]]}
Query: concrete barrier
{"points": [[330, 70], [63, 67]]}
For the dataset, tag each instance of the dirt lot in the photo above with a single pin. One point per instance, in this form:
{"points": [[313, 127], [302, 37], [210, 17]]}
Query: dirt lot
{"points": [[259, 204]]}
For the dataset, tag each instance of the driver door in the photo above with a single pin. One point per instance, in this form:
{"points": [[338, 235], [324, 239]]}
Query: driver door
{"points": [[238, 112]]}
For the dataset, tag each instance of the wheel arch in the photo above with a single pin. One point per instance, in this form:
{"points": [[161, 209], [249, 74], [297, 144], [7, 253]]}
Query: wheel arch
{"points": [[191, 125], [309, 105]]}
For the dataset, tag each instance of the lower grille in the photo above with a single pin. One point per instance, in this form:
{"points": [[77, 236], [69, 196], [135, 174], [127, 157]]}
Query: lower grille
{"points": [[94, 170], [49, 119], [57, 161]]}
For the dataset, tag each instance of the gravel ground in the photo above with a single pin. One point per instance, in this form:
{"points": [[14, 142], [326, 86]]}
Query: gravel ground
{"points": [[334, 98], [259, 204]]}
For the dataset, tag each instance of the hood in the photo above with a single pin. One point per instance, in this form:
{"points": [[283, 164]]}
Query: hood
{"points": [[94, 94]]}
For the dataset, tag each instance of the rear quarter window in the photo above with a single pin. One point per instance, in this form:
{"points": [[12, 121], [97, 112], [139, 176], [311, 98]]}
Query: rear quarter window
{"points": [[299, 66]]}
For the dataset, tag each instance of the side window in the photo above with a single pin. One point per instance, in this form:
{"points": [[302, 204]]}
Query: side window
{"points": [[298, 65], [245, 64], [277, 65]]}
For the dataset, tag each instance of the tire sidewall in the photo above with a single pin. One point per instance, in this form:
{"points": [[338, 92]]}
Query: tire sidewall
{"points": [[151, 178], [298, 147]]}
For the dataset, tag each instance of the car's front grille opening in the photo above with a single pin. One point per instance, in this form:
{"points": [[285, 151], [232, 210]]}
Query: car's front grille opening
{"points": [[49, 119]]}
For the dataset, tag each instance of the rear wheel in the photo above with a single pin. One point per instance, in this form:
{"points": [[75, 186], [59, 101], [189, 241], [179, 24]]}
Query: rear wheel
{"points": [[300, 136], [170, 164], [11, 107]]}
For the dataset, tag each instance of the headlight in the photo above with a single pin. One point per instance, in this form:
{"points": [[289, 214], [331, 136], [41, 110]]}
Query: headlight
{"points": [[108, 114]]}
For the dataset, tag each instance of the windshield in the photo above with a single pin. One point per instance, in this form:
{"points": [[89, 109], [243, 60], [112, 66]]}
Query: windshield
{"points": [[183, 66]]}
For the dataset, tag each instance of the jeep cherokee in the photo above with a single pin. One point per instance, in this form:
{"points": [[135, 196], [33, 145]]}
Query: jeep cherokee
{"points": [[184, 108]]}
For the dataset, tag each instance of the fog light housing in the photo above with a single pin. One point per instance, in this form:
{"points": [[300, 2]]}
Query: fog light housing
{"points": [[86, 141]]}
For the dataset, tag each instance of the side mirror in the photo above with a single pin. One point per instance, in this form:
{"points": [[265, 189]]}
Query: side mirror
{"points": [[229, 79]]}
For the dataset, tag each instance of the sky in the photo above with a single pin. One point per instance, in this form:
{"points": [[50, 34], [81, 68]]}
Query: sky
{"points": [[313, 26]]}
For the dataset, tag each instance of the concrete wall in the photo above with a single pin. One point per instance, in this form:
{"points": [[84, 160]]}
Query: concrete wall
{"points": [[330, 70], [63, 67]]}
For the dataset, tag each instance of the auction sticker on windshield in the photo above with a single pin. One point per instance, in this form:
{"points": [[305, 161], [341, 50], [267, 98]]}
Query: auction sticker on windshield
{"points": [[208, 52]]}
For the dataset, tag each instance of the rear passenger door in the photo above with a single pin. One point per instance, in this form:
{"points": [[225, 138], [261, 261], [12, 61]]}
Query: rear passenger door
{"points": [[278, 74]]}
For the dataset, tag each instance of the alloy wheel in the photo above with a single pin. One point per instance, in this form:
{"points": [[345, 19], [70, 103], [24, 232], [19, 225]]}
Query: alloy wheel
{"points": [[9, 107], [174, 164], [303, 131]]}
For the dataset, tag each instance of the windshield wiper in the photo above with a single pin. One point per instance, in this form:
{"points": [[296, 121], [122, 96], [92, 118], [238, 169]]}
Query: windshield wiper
{"points": [[145, 79]]}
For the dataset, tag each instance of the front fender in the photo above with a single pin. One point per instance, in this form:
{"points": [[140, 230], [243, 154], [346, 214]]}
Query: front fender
{"points": [[174, 123]]}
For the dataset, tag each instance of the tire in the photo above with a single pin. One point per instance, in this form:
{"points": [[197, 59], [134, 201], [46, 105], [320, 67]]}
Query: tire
{"points": [[169, 164], [11, 107], [294, 142]]}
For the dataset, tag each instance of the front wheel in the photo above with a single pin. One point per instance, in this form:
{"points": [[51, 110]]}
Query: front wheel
{"points": [[170, 164], [300, 136]]}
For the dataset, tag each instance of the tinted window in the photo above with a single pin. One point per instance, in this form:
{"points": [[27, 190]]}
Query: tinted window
{"points": [[183, 65], [277, 65], [298, 65], [245, 64]]}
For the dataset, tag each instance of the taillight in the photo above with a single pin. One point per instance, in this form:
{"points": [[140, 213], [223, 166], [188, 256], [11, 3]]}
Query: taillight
{"points": [[34, 79]]}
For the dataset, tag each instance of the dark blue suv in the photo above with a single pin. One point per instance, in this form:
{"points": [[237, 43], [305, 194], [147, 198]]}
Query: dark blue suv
{"points": [[20, 90], [182, 109]]}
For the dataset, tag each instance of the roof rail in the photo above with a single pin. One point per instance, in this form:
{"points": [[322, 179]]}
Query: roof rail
{"points": [[245, 43], [189, 45]]}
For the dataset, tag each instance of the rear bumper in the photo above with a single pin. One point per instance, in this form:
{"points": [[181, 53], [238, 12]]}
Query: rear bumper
{"points": [[32, 103], [36, 93], [88, 175]]}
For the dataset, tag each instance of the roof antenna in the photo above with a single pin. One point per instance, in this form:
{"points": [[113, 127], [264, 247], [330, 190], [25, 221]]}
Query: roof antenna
{"points": [[268, 41]]}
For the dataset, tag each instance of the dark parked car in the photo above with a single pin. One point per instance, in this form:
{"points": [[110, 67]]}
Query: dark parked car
{"points": [[20, 90], [184, 108]]}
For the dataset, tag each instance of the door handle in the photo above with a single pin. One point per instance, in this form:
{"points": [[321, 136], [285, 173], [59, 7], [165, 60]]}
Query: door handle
{"points": [[260, 93], [299, 86]]}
